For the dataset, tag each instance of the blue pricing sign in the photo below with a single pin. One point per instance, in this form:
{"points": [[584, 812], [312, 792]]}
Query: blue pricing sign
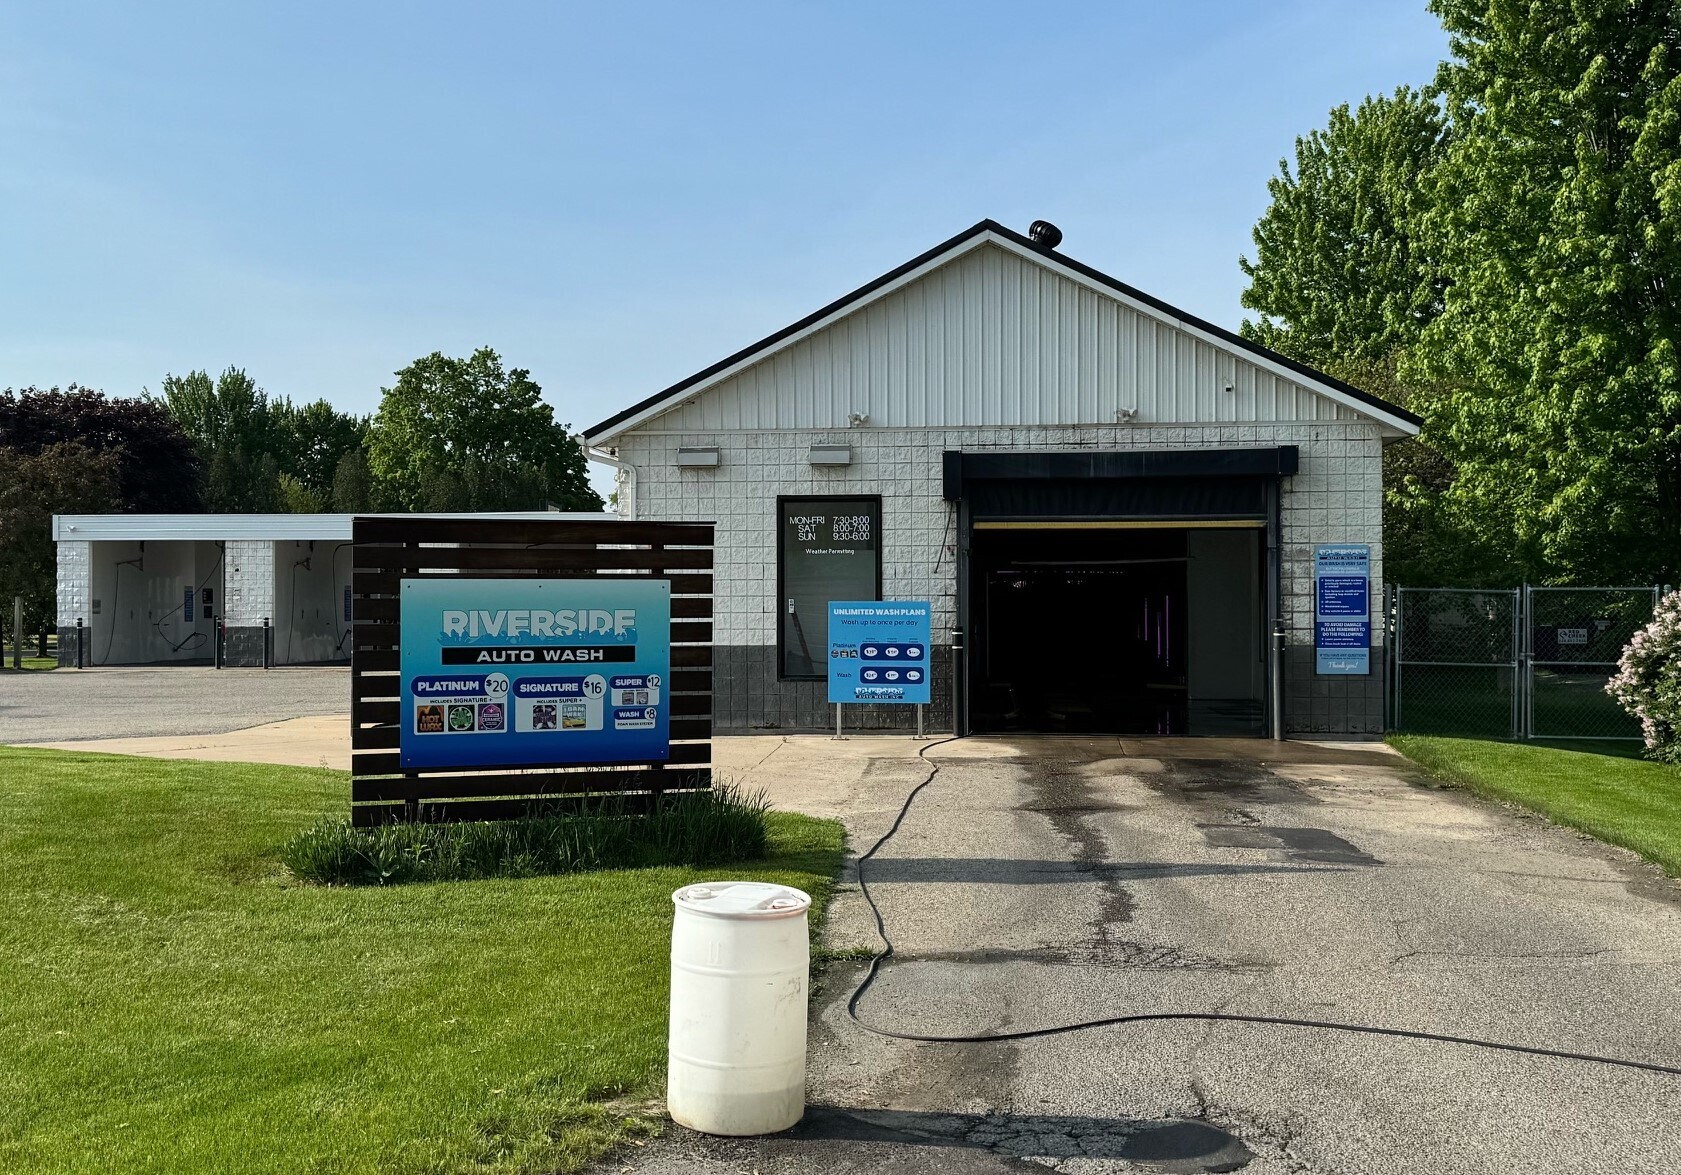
{"points": [[1342, 617], [879, 651], [511, 672]]}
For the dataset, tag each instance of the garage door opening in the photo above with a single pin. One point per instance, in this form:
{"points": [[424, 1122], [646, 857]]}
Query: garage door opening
{"points": [[1118, 627]]}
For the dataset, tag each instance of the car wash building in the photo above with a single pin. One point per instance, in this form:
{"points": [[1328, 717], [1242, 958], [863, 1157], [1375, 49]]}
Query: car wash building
{"points": [[146, 589], [1111, 504]]}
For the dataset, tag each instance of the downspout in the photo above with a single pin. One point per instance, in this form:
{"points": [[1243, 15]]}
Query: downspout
{"points": [[1279, 643], [625, 482]]}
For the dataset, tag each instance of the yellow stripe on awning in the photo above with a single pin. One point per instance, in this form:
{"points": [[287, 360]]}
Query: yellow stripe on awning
{"points": [[1131, 524]]}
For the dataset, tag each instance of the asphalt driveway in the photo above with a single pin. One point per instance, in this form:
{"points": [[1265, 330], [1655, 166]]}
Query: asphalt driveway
{"points": [[156, 701], [1040, 882]]}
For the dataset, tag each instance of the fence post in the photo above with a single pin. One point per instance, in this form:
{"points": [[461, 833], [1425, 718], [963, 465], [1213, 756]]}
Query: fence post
{"points": [[1529, 662], [1520, 661], [1389, 619], [1400, 624]]}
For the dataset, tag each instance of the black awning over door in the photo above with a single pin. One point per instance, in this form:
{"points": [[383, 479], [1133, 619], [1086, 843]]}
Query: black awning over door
{"points": [[1179, 484], [1187, 498]]}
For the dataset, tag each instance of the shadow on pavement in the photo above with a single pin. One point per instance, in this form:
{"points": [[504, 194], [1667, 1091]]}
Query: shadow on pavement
{"points": [[1004, 871], [1174, 1145]]}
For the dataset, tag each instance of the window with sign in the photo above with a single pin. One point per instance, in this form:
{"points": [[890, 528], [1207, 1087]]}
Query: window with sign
{"points": [[827, 549]]}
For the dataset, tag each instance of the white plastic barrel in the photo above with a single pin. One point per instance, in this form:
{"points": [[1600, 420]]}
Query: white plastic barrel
{"points": [[740, 958]]}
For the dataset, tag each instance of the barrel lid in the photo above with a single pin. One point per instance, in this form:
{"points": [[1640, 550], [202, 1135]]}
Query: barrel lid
{"points": [[742, 899]]}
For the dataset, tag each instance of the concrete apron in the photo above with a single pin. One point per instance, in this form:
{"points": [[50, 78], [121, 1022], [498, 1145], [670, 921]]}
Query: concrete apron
{"points": [[1039, 882]]}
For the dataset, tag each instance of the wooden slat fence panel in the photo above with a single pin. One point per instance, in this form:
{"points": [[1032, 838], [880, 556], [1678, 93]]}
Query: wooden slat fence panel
{"points": [[388, 549]]}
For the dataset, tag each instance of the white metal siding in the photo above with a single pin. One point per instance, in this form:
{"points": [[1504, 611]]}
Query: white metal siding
{"points": [[993, 339], [261, 527]]}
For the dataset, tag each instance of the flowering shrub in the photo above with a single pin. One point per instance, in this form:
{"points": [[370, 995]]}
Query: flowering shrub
{"points": [[1648, 680]]}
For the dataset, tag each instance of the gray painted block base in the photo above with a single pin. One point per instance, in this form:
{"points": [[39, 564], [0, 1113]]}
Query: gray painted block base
{"points": [[67, 646], [748, 698], [1331, 706], [244, 648]]}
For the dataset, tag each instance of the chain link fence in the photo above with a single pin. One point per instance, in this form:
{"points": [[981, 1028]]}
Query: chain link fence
{"points": [[1455, 660], [1575, 637], [1512, 662]]}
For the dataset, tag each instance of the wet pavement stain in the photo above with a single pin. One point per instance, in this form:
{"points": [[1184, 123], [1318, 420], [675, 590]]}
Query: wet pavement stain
{"points": [[1185, 1148], [1298, 844], [1227, 786], [1170, 1146], [1065, 797], [1121, 954]]}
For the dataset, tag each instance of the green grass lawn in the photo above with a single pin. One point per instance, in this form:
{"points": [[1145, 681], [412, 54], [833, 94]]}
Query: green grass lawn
{"points": [[1618, 798], [171, 1001], [1476, 702], [31, 664]]}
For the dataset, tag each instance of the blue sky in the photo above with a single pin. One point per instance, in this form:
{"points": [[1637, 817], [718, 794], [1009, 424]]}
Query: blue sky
{"points": [[613, 195]]}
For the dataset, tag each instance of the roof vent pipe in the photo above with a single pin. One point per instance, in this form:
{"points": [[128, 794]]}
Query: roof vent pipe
{"points": [[1043, 232]]}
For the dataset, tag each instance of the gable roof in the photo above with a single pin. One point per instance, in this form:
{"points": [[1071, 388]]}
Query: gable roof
{"points": [[990, 231]]}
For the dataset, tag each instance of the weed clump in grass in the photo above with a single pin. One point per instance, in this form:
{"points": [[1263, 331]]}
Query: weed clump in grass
{"points": [[695, 829]]}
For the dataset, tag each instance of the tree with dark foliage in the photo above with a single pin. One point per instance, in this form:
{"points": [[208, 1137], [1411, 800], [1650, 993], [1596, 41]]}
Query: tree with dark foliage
{"points": [[157, 467]]}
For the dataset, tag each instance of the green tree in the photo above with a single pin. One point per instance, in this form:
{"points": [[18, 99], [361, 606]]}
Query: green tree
{"points": [[467, 434], [1339, 276], [64, 477], [260, 454], [1341, 280], [317, 437], [233, 426], [353, 484], [1556, 219]]}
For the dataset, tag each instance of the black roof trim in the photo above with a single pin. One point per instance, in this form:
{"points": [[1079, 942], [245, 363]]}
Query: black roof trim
{"points": [[946, 246]]}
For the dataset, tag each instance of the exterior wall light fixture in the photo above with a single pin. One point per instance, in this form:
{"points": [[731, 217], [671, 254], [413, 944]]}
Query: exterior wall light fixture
{"points": [[831, 455], [688, 458]]}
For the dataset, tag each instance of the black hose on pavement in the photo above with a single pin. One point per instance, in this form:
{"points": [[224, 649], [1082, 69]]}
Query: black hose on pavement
{"points": [[886, 954]]}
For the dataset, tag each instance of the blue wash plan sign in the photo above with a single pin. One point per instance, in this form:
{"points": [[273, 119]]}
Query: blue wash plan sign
{"points": [[535, 672], [879, 651], [1342, 609]]}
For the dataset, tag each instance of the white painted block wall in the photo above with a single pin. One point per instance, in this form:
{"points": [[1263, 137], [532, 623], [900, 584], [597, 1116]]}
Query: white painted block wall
{"points": [[75, 591], [1336, 497], [249, 585]]}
